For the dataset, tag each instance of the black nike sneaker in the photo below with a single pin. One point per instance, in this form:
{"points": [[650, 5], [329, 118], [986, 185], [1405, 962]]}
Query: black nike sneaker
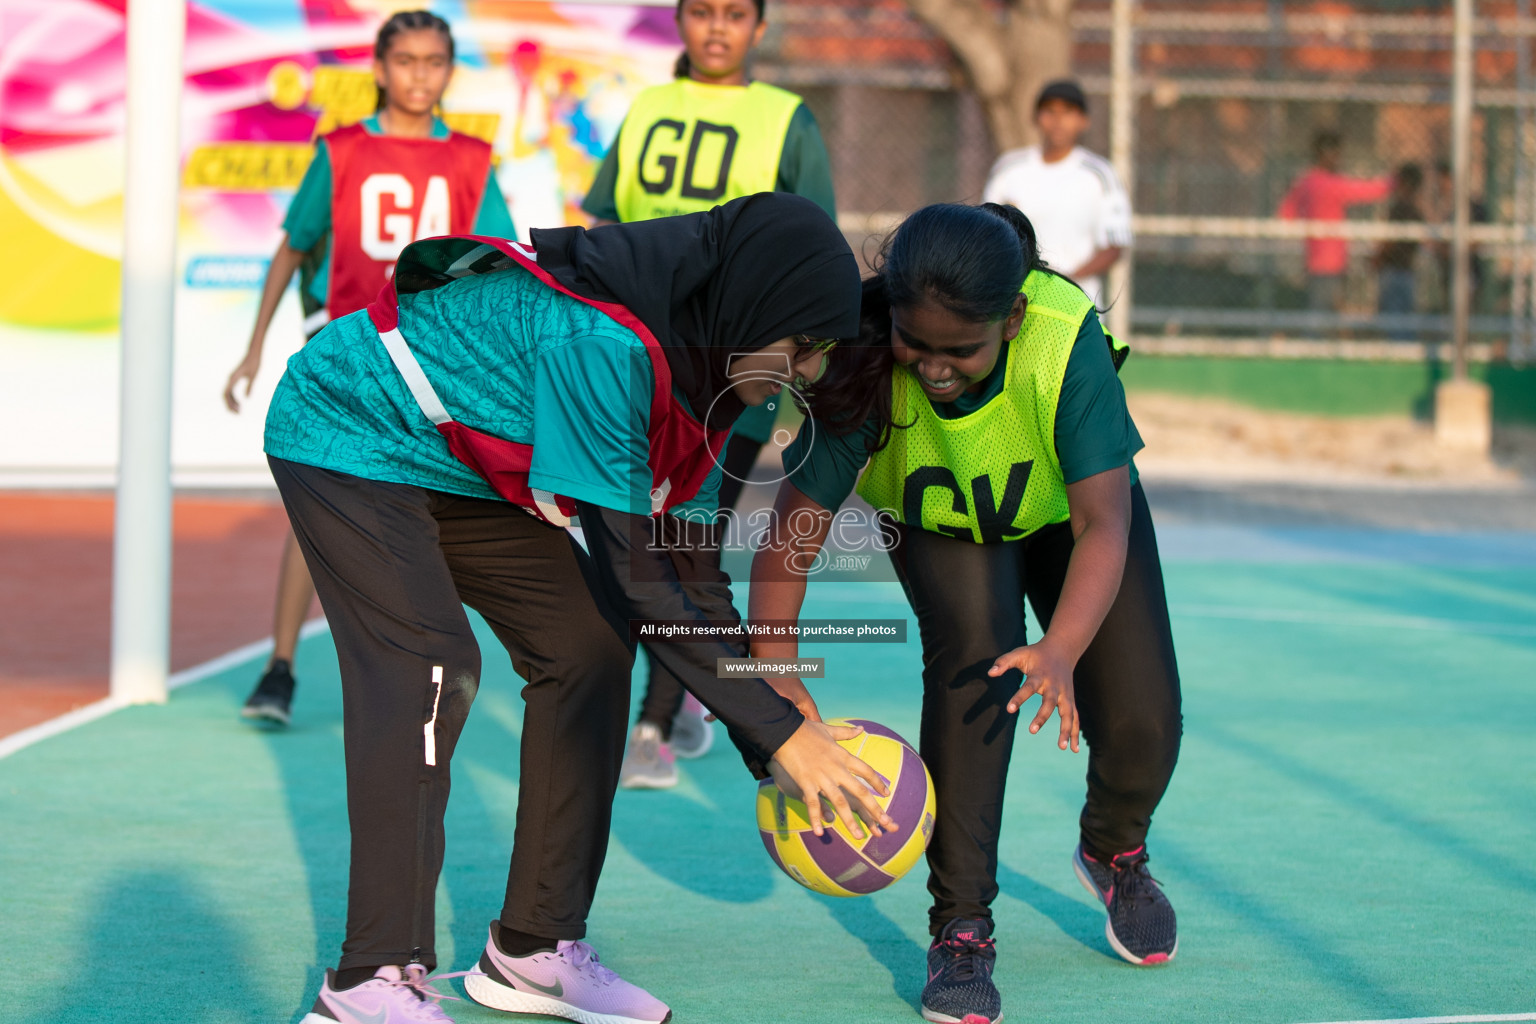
{"points": [[1141, 925], [273, 696], [960, 989]]}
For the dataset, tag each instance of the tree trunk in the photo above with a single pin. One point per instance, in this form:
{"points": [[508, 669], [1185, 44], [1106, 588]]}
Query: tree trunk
{"points": [[1007, 58]]}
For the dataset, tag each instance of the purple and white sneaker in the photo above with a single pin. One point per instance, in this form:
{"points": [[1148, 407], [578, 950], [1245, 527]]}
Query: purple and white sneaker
{"points": [[393, 996], [567, 981]]}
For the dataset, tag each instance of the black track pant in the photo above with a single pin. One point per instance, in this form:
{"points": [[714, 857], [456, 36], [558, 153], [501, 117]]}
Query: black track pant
{"points": [[393, 565], [969, 602], [664, 691]]}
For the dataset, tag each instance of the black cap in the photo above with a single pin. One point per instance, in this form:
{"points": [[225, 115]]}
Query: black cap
{"points": [[1063, 89]]}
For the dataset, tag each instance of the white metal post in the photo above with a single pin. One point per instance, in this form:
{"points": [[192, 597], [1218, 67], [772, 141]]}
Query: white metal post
{"points": [[1463, 407], [1461, 169], [141, 554], [1122, 149]]}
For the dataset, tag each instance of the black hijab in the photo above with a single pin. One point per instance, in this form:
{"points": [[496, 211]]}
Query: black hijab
{"points": [[708, 285]]}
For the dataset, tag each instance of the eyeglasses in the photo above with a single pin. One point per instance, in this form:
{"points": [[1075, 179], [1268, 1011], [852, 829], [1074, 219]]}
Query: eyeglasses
{"points": [[805, 341]]}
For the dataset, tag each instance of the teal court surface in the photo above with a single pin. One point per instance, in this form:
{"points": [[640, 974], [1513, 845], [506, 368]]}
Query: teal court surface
{"points": [[1350, 836]]}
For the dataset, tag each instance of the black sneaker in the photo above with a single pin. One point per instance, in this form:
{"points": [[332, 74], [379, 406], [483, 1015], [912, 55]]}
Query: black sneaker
{"points": [[1141, 925], [270, 701], [960, 989]]}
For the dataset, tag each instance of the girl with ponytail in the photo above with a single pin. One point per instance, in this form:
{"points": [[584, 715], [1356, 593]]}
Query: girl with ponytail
{"points": [[708, 137], [437, 180], [982, 394]]}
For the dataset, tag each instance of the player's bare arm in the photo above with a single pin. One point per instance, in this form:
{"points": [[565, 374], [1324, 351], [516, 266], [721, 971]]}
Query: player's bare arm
{"points": [[1101, 521], [284, 262]]}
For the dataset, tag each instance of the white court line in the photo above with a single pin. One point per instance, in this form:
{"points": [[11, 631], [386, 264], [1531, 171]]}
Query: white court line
{"points": [[90, 712], [65, 722], [1416, 622], [1477, 1019]]}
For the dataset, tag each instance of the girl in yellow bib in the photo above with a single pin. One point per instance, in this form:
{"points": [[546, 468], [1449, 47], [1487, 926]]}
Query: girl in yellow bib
{"points": [[705, 138], [984, 398]]}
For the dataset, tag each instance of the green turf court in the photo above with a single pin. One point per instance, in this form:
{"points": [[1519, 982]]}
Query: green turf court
{"points": [[1349, 835]]}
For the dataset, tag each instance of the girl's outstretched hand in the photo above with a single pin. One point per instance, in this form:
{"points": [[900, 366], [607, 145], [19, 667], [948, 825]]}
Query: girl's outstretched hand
{"points": [[246, 373], [810, 766], [1049, 674]]}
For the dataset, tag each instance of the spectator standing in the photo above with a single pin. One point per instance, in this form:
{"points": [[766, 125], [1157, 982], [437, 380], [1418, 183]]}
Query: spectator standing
{"points": [[1322, 193], [1445, 208], [1081, 214], [1394, 260]]}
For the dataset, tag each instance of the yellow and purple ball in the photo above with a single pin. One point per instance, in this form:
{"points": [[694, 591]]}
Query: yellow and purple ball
{"points": [[835, 863]]}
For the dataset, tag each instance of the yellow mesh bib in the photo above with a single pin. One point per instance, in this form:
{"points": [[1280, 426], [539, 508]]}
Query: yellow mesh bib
{"points": [[991, 475], [687, 147]]}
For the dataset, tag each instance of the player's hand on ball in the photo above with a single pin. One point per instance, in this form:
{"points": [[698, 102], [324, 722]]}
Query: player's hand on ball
{"points": [[1049, 674], [811, 764]]}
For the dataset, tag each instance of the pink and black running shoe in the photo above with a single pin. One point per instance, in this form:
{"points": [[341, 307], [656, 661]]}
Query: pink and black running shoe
{"points": [[960, 988], [1141, 926]]}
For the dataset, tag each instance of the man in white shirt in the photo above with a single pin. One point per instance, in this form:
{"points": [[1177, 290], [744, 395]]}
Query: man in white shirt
{"points": [[1081, 214]]}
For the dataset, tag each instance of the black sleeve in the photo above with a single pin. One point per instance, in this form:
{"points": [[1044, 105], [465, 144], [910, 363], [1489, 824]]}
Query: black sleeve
{"points": [[641, 582]]}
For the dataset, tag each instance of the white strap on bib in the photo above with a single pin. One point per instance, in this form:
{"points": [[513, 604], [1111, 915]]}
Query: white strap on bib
{"points": [[659, 497], [548, 508], [432, 406], [410, 371]]}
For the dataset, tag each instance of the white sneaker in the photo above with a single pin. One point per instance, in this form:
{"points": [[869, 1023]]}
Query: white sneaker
{"points": [[648, 763], [567, 981], [692, 736], [394, 995]]}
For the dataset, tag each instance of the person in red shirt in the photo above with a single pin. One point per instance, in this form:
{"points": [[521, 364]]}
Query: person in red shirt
{"points": [[1322, 193]]}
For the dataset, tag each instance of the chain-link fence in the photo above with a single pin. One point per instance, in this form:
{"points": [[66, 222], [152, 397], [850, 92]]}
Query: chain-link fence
{"points": [[1230, 101], [901, 129]]}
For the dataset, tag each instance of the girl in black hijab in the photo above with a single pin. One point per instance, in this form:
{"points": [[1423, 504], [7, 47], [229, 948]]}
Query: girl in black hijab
{"points": [[428, 450]]}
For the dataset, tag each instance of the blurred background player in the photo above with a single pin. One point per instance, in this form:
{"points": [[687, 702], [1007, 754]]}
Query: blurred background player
{"points": [[1395, 289], [1322, 193], [1081, 214], [371, 189], [1005, 376], [707, 137]]}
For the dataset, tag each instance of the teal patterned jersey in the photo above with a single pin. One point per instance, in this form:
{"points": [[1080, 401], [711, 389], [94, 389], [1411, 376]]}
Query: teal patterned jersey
{"points": [[508, 356]]}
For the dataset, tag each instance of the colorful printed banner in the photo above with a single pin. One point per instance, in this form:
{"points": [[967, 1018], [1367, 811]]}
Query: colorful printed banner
{"points": [[547, 84]]}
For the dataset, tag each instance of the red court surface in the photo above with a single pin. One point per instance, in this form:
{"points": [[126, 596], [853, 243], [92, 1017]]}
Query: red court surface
{"points": [[56, 587]]}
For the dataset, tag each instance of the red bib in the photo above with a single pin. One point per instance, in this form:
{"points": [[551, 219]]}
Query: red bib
{"points": [[682, 453], [387, 192]]}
